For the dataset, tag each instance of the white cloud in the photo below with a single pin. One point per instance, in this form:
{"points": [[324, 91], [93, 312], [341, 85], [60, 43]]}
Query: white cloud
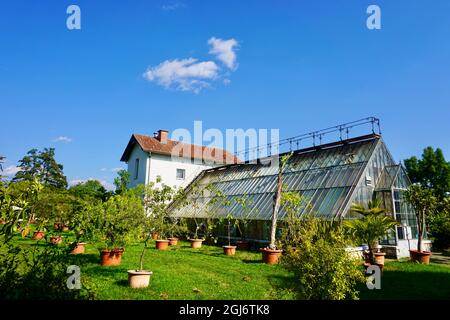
{"points": [[185, 74], [106, 184], [173, 6], [10, 171], [103, 169], [190, 74], [224, 51], [62, 139], [116, 169]]}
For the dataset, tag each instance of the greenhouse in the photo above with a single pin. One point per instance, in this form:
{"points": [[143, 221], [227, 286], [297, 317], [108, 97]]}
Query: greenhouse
{"points": [[330, 177]]}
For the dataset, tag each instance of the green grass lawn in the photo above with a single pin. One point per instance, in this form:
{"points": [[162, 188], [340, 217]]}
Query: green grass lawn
{"points": [[183, 273], [404, 280]]}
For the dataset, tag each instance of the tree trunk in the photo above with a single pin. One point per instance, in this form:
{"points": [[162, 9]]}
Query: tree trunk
{"points": [[276, 208], [421, 225]]}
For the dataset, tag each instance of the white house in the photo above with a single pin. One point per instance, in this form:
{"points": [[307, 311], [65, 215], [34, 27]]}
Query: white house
{"points": [[176, 163]]}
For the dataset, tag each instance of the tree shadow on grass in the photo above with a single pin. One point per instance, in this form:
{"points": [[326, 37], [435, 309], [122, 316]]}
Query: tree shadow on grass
{"points": [[410, 285], [81, 259], [249, 261], [122, 283], [283, 287]]}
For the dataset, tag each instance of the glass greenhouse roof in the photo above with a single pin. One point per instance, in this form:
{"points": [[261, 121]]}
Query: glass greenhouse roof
{"points": [[326, 176]]}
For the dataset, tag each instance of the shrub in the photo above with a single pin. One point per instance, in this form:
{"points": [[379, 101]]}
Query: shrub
{"points": [[37, 274], [323, 269]]}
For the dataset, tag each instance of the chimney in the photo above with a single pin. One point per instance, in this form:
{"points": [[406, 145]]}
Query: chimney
{"points": [[161, 136]]}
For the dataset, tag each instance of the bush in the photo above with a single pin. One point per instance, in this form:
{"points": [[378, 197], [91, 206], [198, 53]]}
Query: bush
{"points": [[37, 274], [323, 269], [439, 230]]}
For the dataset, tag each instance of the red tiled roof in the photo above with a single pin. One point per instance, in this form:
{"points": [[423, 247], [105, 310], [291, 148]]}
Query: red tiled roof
{"points": [[180, 149]]}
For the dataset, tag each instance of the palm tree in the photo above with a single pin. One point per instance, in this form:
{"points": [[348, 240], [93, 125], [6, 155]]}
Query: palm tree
{"points": [[373, 208], [370, 229], [373, 226]]}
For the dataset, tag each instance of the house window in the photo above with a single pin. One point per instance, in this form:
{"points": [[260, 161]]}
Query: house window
{"points": [[136, 171], [181, 174]]}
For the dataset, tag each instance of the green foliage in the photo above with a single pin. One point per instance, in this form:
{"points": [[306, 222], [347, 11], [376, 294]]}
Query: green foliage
{"points": [[16, 207], [432, 171], [439, 230], [91, 189], [373, 208], [373, 226], [323, 269], [123, 216], [43, 166], [292, 203], [424, 203], [157, 201], [122, 181], [37, 274]]}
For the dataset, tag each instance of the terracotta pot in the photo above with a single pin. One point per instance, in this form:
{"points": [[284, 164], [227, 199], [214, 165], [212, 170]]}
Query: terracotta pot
{"points": [[111, 257], [379, 258], [162, 244], [79, 248], [155, 235], [139, 279], [229, 250], [242, 245], [173, 241], [56, 240], [3, 221], [271, 256], [196, 243], [38, 235], [367, 265], [422, 257]]}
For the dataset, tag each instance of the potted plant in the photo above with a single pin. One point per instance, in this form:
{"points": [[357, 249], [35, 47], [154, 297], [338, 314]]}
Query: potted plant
{"points": [[271, 254], [423, 202], [229, 250], [373, 225], [40, 231], [242, 224], [85, 222], [157, 199], [196, 243], [123, 215], [140, 278], [177, 227]]}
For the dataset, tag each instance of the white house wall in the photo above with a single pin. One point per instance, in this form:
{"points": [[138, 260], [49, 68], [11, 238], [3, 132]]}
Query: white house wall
{"points": [[137, 153], [166, 168]]}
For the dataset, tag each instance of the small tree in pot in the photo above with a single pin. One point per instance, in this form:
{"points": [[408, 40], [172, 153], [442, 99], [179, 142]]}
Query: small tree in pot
{"points": [[272, 254], [245, 202], [122, 216], [424, 203], [229, 250], [157, 201], [373, 226]]}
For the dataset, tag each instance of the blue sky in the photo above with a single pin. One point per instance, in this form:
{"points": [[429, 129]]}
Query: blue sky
{"points": [[298, 66]]}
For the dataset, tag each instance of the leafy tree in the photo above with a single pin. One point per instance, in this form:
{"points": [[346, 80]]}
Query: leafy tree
{"points": [[322, 267], [91, 189], [122, 181], [439, 226], [432, 171], [424, 203], [43, 166]]}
